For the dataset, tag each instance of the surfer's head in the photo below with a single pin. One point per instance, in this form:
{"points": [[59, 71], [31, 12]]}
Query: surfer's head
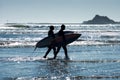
{"points": [[63, 27], [51, 27]]}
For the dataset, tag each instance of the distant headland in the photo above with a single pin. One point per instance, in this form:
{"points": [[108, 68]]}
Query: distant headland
{"points": [[100, 20]]}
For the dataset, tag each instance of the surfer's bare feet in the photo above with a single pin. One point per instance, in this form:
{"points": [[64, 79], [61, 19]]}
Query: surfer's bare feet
{"points": [[54, 56], [44, 56], [67, 58], [50, 59]]}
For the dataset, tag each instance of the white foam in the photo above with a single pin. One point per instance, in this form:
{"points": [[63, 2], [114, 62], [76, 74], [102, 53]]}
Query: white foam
{"points": [[87, 43], [111, 33], [24, 59], [18, 44], [2, 27]]}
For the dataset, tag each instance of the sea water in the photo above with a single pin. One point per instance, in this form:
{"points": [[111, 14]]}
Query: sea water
{"points": [[95, 55]]}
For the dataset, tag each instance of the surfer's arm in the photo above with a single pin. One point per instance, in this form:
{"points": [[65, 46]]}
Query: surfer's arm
{"points": [[64, 39]]}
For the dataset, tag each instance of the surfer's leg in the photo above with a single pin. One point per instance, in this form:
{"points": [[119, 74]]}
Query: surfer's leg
{"points": [[58, 49], [54, 50], [49, 49], [65, 50]]}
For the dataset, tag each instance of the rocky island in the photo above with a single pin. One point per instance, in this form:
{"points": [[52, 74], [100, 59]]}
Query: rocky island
{"points": [[101, 20]]}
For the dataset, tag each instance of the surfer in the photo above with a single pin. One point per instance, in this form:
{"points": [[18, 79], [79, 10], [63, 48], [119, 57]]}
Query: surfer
{"points": [[50, 34], [61, 33]]}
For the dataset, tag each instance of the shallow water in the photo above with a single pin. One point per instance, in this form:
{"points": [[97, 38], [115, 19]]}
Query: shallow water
{"points": [[95, 55], [86, 62]]}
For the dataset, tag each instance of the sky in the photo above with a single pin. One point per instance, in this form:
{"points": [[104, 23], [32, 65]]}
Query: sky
{"points": [[57, 11]]}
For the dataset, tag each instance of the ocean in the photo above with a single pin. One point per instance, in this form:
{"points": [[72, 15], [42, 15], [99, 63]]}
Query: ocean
{"points": [[94, 56]]}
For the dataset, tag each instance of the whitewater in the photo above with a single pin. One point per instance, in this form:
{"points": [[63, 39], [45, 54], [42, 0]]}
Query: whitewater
{"points": [[91, 34]]}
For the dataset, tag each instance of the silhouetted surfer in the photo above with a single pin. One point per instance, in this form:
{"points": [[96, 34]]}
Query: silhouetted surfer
{"points": [[61, 33], [50, 34]]}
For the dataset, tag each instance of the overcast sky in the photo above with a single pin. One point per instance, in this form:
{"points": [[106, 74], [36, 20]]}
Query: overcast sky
{"points": [[57, 11]]}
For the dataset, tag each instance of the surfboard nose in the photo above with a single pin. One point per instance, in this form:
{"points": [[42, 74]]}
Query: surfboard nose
{"points": [[77, 35]]}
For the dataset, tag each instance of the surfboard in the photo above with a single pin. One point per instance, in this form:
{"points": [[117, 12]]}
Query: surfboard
{"points": [[69, 38], [47, 41]]}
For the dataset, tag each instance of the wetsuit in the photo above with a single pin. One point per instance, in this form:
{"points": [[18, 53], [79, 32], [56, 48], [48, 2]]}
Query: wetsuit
{"points": [[50, 34], [63, 45]]}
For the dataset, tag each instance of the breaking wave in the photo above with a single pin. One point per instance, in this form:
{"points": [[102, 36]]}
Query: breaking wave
{"points": [[11, 36]]}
